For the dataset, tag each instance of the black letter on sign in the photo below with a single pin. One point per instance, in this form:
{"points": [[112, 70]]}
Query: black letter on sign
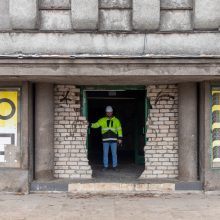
{"points": [[13, 109]]}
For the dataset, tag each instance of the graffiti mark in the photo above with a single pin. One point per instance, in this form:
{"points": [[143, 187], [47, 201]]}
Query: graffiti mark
{"points": [[65, 97], [163, 97], [160, 97], [13, 109]]}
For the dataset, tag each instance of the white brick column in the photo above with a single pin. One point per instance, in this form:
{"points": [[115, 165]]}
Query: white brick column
{"points": [[70, 132], [161, 150]]}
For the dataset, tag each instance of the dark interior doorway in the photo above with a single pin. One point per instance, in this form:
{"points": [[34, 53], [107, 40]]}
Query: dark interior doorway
{"points": [[130, 107]]}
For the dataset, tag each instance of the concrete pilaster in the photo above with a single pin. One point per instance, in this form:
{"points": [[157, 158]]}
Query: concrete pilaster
{"points": [[188, 132], [44, 131]]}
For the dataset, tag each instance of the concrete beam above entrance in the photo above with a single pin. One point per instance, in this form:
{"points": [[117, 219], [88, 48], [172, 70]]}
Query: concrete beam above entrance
{"points": [[110, 71]]}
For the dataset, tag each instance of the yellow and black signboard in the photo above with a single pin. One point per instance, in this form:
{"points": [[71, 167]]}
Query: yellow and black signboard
{"points": [[216, 126], [9, 113]]}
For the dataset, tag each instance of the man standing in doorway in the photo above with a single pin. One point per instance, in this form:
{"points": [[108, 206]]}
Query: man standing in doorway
{"points": [[111, 136]]}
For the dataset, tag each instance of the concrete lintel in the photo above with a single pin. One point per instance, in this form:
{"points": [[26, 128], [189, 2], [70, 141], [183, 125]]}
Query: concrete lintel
{"points": [[96, 44]]}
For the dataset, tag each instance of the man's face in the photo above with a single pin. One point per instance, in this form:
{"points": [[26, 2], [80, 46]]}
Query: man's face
{"points": [[109, 114]]}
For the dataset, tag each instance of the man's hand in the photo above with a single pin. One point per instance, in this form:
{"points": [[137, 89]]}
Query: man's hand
{"points": [[119, 142]]}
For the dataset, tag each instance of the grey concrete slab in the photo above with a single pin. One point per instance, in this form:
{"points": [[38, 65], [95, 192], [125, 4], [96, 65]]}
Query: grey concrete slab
{"points": [[23, 14], [189, 186], [183, 45], [55, 20], [206, 14], [14, 180], [49, 186], [115, 3], [177, 4], [54, 4], [176, 20], [84, 14], [61, 43], [115, 20], [5, 22], [108, 72], [146, 14]]}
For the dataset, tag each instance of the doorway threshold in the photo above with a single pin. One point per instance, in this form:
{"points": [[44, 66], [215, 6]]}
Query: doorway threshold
{"points": [[125, 180], [94, 186]]}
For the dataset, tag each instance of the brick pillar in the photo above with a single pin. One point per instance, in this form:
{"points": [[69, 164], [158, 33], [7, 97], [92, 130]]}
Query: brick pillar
{"points": [[44, 116], [70, 133], [161, 150], [188, 114]]}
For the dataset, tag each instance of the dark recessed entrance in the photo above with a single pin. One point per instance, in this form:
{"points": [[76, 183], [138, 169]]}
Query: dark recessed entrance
{"points": [[130, 106]]}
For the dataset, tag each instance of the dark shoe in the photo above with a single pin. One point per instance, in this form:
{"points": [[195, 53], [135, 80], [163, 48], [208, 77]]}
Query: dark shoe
{"points": [[104, 168], [115, 169]]}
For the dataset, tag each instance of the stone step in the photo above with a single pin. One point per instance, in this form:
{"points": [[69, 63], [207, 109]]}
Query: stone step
{"points": [[119, 187], [108, 187]]}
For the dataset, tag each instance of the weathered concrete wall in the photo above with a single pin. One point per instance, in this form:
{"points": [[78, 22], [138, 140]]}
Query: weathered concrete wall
{"points": [[176, 20], [14, 180], [44, 121], [206, 14], [188, 132], [5, 22], [55, 20], [182, 45], [110, 71], [139, 18], [70, 131], [146, 14], [24, 14], [161, 150], [54, 4], [115, 20], [116, 15], [115, 4], [176, 4], [84, 14]]}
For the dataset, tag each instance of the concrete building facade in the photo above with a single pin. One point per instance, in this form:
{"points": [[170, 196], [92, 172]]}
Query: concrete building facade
{"points": [[156, 61]]}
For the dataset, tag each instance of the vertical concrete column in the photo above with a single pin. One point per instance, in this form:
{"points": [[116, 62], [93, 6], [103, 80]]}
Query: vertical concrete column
{"points": [[188, 114], [44, 118]]}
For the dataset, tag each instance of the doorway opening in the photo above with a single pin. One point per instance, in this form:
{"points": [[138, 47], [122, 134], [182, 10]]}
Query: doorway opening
{"points": [[130, 107]]}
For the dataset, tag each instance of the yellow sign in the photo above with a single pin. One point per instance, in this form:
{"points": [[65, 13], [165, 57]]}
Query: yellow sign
{"points": [[8, 108], [9, 112]]}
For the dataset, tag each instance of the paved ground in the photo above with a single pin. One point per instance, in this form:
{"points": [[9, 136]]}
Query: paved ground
{"points": [[106, 207], [125, 173]]}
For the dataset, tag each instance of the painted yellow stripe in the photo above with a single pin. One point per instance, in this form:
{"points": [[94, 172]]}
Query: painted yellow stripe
{"points": [[215, 108], [215, 125], [216, 143], [214, 92]]}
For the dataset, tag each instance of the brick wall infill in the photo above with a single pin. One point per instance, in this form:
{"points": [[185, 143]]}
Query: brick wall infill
{"points": [[161, 150], [70, 132]]}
